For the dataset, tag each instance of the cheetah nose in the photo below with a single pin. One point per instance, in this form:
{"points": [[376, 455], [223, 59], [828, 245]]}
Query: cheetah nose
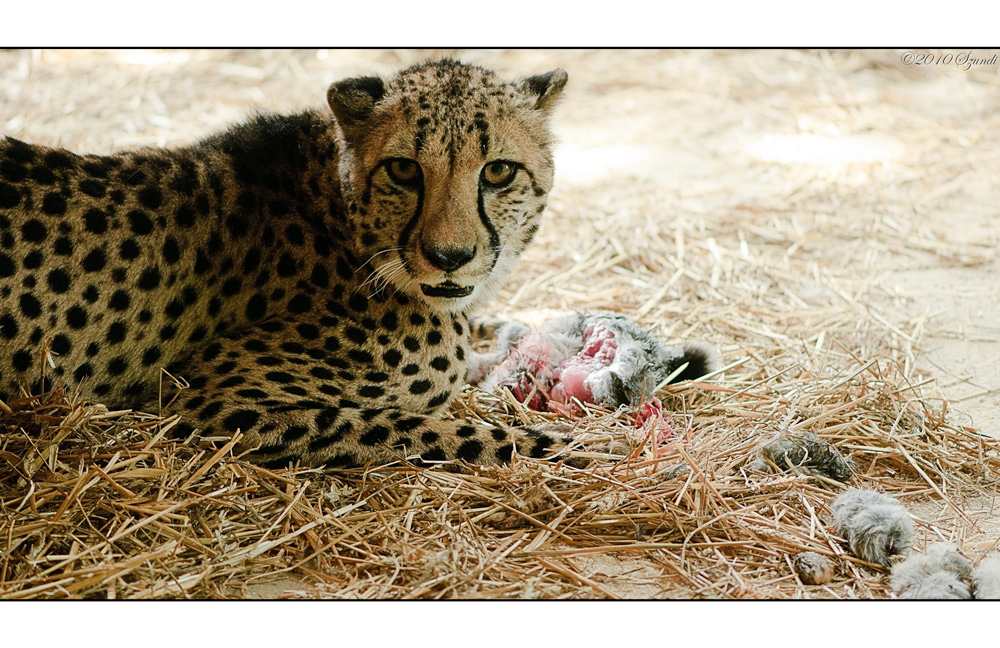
{"points": [[449, 258]]}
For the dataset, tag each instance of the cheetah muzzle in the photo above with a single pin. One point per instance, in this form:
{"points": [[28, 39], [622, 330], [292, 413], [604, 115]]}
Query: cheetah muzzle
{"points": [[310, 275]]}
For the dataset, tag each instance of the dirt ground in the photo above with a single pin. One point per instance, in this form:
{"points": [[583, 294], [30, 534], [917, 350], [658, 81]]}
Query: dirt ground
{"points": [[818, 200]]}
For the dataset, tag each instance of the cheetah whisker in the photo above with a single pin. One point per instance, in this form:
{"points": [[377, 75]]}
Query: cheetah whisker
{"points": [[377, 276], [385, 275], [385, 251]]}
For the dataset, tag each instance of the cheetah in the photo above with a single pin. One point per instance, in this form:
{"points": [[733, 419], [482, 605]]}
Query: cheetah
{"points": [[309, 275]]}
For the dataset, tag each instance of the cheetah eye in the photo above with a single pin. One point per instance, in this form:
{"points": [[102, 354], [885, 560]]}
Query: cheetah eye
{"points": [[498, 174], [404, 172]]}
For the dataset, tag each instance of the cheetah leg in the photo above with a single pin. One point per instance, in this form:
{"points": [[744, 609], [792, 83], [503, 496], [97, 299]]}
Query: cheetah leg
{"points": [[290, 403], [317, 435], [485, 327], [335, 437]]}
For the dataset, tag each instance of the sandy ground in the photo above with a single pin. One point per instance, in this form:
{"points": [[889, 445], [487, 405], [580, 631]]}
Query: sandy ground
{"points": [[912, 150], [870, 185]]}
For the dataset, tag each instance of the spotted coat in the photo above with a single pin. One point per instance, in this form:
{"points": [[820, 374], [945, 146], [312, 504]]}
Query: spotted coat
{"points": [[309, 276]]}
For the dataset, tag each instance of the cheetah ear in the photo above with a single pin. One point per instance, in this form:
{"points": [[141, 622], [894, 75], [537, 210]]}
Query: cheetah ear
{"points": [[353, 100], [547, 87]]}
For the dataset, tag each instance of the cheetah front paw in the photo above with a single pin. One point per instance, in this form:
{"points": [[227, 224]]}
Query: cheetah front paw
{"points": [[558, 442]]}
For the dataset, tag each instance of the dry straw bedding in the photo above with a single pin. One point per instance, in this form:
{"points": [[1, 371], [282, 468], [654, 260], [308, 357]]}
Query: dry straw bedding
{"points": [[107, 505], [98, 503]]}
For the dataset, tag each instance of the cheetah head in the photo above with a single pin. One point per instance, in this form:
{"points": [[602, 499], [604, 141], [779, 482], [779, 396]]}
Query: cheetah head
{"points": [[445, 170]]}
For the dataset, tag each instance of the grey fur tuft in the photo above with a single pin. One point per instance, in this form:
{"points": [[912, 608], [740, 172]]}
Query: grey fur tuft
{"points": [[986, 579], [938, 573], [875, 526], [700, 357], [939, 585], [805, 452], [813, 568]]}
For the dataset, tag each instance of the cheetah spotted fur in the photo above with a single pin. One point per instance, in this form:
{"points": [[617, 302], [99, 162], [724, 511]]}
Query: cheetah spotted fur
{"points": [[309, 275]]}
